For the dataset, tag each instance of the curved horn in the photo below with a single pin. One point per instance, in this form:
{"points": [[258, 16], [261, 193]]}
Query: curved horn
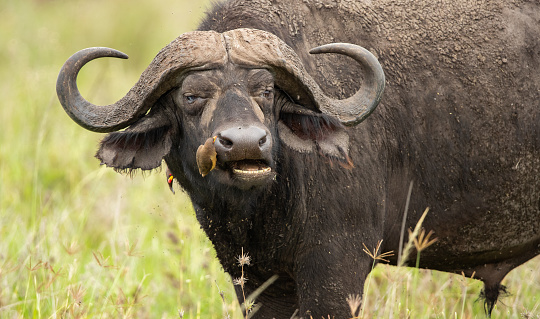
{"points": [[259, 48], [358, 107], [199, 50], [80, 110]]}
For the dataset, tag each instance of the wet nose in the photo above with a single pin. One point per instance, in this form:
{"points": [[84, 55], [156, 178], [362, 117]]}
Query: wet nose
{"points": [[243, 142]]}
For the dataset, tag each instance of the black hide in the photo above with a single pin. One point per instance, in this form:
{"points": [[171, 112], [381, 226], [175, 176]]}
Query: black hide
{"points": [[460, 118]]}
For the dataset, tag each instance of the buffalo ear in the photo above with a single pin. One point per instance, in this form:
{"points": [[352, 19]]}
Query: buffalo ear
{"points": [[308, 132], [141, 146]]}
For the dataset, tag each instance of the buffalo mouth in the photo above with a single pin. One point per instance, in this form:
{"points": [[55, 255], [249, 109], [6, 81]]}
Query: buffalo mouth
{"points": [[250, 168], [247, 173]]}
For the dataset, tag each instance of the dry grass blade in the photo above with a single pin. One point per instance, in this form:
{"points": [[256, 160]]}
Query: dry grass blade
{"points": [[76, 308], [8, 267], [422, 241], [77, 293], [354, 302], [412, 236], [374, 255], [51, 278], [37, 266], [73, 248], [101, 260], [131, 249], [262, 288], [247, 305], [403, 222]]}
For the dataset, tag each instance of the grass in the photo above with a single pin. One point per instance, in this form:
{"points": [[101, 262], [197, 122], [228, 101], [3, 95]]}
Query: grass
{"points": [[80, 241]]}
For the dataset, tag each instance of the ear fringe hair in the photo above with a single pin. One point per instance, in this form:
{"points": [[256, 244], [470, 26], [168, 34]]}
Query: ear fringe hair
{"points": [[132, 172], [344, 161], [312, 126], [128, 144], [136, 140]]}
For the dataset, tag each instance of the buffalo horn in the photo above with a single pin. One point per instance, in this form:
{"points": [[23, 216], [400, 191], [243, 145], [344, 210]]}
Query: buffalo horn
{"points": [[259, 48], [358, 107], [193, 50]]}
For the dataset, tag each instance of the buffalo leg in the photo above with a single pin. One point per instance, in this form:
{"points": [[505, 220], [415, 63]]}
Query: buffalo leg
{"points": [[326, 277]]}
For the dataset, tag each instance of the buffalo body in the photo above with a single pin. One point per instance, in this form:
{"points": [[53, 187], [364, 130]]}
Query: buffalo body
{"points": [[301, 187]]}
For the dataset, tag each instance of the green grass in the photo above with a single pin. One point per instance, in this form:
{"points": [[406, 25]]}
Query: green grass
{"points": [[80, 241]]}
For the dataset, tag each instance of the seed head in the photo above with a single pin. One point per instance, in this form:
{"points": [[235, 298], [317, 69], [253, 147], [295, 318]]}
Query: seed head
{"points": [[240, 281], [375, 254], [244, 259], [422, 241], [354, 302]]}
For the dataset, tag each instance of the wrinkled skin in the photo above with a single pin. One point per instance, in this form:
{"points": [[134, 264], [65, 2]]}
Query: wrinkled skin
{"points": [[459, 118]]}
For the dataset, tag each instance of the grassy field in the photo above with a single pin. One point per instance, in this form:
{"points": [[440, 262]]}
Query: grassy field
{"points": [[80, 241]]}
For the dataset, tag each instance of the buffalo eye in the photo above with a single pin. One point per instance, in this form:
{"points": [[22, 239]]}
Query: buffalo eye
{"points": [[193, 103], [267, 94], [191, 99]]}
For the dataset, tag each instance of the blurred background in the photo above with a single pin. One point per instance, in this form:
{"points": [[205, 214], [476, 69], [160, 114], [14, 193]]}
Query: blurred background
{"points": [[77, 239], [80, 241]]}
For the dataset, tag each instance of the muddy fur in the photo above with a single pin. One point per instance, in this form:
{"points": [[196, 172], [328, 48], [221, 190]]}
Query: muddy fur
{"points": [[459, 113], [460, 116]]}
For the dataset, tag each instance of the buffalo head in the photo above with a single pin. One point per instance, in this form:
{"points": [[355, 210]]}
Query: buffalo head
{"points": [[245, 88]]}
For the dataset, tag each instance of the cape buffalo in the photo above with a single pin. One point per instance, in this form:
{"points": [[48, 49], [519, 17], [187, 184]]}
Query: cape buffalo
{"points": [[290, 176]]}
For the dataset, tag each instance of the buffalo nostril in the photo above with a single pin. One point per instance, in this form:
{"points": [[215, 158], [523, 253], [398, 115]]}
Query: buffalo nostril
{"points": [[262, 141], [225, 142]]}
